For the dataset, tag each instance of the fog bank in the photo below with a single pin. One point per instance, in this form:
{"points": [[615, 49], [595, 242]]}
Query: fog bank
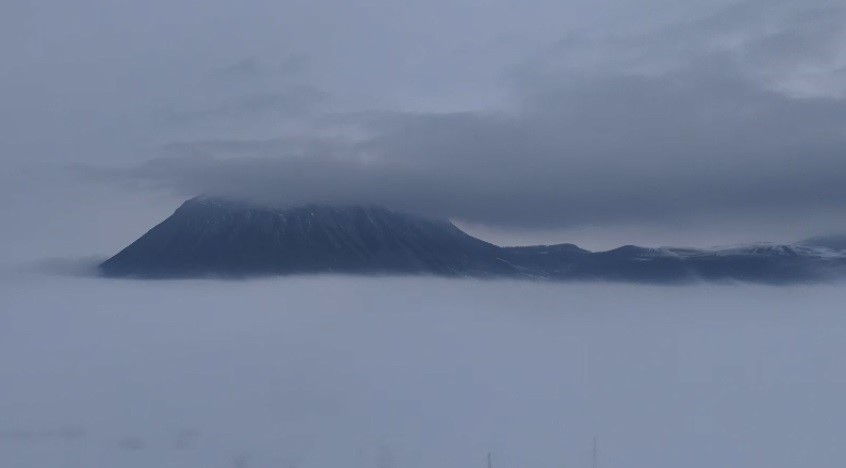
{"points": [[391, 373]]}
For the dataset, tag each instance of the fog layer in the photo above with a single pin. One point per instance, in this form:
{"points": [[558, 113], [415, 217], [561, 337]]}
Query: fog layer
{"points": [[324, 371]]}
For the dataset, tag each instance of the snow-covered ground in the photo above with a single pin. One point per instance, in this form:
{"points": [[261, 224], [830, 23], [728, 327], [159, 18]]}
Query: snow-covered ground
{"points": [[418, 373]]}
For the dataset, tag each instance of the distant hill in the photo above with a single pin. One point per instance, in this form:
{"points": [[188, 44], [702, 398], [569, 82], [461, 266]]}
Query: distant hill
{"points": [[230, 238]]}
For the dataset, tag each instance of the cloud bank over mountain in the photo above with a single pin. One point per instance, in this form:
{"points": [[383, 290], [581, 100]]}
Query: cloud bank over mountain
{"points": [[726, 117], [736, 114]]}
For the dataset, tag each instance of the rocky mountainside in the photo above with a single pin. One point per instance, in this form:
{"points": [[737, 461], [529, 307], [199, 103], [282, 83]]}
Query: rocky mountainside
{"points": [[220, 237]]}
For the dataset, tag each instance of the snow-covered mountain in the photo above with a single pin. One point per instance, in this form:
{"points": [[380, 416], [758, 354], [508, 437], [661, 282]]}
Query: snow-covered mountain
{"points": [[220, 237]]}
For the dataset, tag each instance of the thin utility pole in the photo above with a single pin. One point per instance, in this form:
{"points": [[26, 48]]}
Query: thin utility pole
{"points": [[490, 465], [595, 454]]}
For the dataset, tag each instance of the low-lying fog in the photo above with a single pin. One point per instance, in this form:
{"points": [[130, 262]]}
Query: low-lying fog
{"points": [[418, 373]]}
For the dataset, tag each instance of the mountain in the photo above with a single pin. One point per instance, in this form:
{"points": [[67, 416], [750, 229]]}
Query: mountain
{"points": [[221, 237], [211, 236]]}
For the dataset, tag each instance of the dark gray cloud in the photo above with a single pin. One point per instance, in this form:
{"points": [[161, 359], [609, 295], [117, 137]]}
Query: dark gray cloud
{"points": [[253, 66], [723, 117], [597, 118], [292, 102]]}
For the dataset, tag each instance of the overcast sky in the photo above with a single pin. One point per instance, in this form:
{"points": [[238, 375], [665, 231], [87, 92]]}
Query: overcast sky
{"points": [[596, 122]]}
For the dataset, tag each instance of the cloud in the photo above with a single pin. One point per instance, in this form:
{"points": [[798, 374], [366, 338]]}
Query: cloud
{"points": [[292, 102], [253, 66], [688, 121]]}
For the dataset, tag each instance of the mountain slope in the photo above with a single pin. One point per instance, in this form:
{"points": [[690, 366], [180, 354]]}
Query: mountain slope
{"points": [[208, 236]]}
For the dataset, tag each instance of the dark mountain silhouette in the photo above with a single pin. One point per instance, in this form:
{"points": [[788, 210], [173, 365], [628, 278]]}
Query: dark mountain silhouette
{"points": [[220, 237], [208, 236]]}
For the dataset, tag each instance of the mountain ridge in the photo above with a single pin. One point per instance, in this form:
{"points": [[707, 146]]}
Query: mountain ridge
{"points": [[211, 236]]}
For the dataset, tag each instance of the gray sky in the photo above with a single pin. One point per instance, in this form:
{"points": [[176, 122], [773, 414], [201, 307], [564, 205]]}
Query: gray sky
{"points": [[595, 122]]}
